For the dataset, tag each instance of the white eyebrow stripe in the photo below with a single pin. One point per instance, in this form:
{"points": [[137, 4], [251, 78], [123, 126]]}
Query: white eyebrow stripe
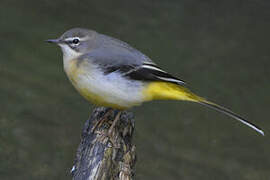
{"points": [[85, 38], [72, 38], [81, 39]]}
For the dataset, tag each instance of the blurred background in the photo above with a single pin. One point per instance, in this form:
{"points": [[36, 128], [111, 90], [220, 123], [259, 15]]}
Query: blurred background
{"points": [[220, 48]]}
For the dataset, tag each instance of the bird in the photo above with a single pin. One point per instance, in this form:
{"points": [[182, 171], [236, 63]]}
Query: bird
{"points": [[111, 73]]}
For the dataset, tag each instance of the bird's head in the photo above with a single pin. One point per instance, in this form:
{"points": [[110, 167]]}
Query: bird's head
{"points": [[75, 42]]}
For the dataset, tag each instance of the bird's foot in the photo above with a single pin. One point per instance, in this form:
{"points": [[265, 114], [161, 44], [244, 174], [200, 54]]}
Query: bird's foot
{"points": [[99, 123], [109, 135]]}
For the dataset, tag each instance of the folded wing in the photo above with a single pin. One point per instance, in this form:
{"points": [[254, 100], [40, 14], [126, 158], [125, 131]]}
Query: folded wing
{"points": [[145, 72]]}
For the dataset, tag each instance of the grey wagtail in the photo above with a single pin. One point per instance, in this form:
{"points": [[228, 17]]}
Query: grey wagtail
{"points": [[109, 72]]}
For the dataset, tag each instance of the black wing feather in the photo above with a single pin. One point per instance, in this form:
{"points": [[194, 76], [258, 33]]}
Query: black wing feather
{"points": [[149, 72]]}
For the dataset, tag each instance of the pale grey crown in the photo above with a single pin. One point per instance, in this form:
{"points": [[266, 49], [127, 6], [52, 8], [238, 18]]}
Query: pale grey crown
{"points": [[80, 39], [78, 32]]}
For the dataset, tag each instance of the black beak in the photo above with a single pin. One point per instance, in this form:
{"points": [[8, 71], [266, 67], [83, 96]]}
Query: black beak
{"points": [[55, 41]]}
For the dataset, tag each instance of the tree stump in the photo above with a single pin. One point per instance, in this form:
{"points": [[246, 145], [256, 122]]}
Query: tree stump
{"points": [[103, 157]]}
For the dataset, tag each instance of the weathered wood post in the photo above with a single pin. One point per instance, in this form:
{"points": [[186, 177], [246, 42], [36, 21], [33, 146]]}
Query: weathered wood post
{"points": [[103, 157]]}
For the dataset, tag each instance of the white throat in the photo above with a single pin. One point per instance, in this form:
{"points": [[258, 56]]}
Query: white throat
{"points": [[69, 53]]}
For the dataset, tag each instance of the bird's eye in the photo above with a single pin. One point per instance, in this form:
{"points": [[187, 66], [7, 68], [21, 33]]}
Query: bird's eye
{"points": [[75, 41]]}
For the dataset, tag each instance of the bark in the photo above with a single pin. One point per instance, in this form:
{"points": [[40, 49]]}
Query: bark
{"points": [[106, 157]]}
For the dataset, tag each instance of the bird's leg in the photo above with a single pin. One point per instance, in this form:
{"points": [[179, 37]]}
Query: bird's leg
{"points": [[100, 122], [114, 123]]}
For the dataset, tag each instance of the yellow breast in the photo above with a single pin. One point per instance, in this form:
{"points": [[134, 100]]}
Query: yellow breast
{"points": [[78, 75], [72, 70]]}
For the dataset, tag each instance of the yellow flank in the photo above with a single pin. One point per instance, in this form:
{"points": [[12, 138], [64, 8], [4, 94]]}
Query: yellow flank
{"points": [[169, 91]]}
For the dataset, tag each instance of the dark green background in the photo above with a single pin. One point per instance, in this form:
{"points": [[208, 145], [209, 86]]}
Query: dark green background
{"points": [[221, 48]]}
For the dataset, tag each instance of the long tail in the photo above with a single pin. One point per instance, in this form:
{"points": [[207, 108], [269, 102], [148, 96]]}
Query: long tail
{"points": [[161, 90], [231, 114]]}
